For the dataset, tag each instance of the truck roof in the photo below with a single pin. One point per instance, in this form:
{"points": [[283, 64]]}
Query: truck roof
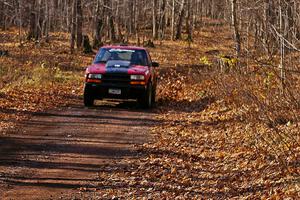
{"points": [[124, 47]]}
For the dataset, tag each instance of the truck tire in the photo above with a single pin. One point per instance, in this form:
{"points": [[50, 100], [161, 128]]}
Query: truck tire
{"points": [[146, 100], [153, 97], [88, 98]]}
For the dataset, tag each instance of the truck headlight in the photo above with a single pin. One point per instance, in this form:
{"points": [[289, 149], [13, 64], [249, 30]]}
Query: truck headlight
{"points": [[137, 77], [95, 76]]}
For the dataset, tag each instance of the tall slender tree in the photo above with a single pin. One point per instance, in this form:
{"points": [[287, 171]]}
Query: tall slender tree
{"points": [[79, 24], [235, 26], [180, 20], [98, 25]]}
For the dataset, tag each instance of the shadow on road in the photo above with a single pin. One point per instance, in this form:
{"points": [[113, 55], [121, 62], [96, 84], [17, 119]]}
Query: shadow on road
{"points": [[65, 148]]}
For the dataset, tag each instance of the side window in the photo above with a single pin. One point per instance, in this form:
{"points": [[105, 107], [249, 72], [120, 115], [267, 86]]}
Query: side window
{"points": [[139, 57], [142, 58], [145, 58]]}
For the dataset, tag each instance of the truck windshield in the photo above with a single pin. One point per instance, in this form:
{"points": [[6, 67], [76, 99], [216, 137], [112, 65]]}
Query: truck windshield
{"points": [[135, 57]]}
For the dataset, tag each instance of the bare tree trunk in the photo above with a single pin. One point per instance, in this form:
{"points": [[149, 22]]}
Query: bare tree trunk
{"points": [[32, 22], [180, 20], [67, 18], [112, 33], [189, 24], [173, 20], [98, 26], [237, 36], [73, 25], [162, 19], [136, 21], [154, 19], [57, 14], [31, 33], [37, 28], [47, 21], [118, 19], [79, 24], [282, 51], [130, 20], [20, 22], [3, 14], [289, 21]]}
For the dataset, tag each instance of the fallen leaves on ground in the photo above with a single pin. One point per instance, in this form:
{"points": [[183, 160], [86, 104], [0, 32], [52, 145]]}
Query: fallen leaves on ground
{"points": [[200, 154], [203, 147], [35, 78]]}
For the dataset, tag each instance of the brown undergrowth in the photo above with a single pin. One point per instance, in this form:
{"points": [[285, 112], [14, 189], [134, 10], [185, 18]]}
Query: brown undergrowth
{"points": [[37, 76], [236, 128], [221, 135], [207, 147]]}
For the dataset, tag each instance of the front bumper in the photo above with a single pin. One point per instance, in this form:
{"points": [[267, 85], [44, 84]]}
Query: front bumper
{"points": [[101, 90]]}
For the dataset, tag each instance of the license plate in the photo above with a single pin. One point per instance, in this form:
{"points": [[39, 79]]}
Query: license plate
{"points": [[114, 91]]}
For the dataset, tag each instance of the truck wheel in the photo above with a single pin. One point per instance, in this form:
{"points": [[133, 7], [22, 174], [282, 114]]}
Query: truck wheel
{"points": [[88, 99], [153, 96], [146, 100]]}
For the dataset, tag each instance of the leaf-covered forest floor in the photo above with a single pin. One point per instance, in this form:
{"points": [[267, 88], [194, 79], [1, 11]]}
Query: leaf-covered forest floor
{"points": [[210, 142]]}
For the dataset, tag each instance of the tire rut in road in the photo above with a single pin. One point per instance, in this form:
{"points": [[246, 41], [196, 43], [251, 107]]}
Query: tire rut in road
{"points": [[56, 153]]}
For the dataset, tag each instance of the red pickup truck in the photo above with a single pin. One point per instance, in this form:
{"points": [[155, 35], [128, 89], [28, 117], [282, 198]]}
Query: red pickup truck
{"points": [[121, 72]]}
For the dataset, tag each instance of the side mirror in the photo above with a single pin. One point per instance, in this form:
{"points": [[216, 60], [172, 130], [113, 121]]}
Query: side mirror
{"points": [[155, 64]]}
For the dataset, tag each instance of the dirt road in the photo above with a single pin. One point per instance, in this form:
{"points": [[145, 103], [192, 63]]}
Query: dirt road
{"points": [[58, 154]]}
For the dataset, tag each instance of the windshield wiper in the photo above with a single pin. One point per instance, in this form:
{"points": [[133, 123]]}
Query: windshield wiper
{"points": [[101, 61]]}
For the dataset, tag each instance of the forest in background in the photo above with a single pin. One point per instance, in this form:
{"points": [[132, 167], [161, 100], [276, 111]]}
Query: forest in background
{"points": [[262, 26], [266, 32], [232, 65]]}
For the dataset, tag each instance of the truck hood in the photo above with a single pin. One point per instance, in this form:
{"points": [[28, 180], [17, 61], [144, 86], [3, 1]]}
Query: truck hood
{"points": [[117, 67]]}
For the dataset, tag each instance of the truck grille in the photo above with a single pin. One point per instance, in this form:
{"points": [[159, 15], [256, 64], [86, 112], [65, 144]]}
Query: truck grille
{"points": [[116, 78]]}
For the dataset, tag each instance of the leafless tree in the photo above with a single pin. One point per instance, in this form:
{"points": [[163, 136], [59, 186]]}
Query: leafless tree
{"points": [[272, 25]]}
